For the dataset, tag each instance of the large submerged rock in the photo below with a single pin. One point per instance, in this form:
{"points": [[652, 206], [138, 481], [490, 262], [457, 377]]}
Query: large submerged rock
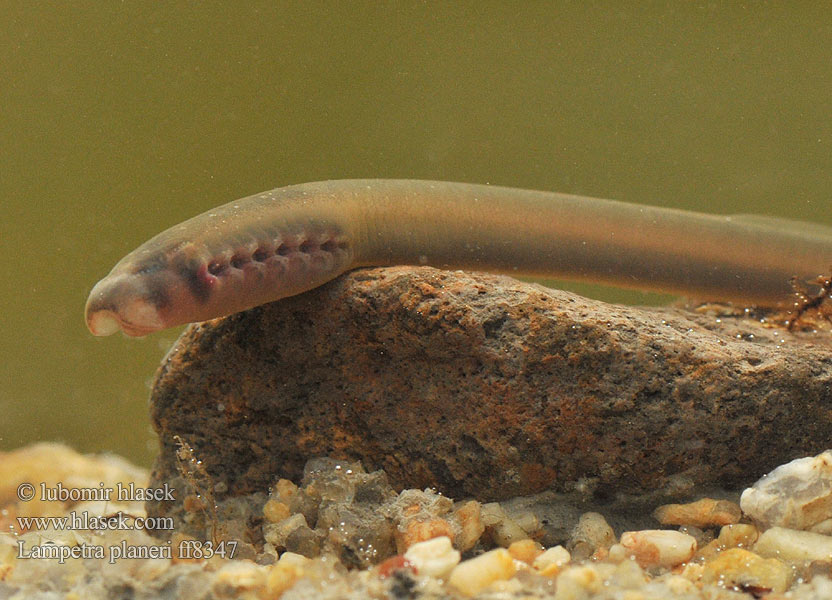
{"points": [[484, 386]]}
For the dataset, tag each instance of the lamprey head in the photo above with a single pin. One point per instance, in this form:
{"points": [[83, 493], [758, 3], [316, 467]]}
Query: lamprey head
{"points": [[150, 289], [134, 304], [162, 285]]}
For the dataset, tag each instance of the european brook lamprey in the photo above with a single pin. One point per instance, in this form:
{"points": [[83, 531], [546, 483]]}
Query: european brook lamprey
{"points": [[292, 239]]}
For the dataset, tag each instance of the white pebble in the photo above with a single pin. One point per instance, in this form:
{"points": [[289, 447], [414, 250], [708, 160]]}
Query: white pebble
{"points": [[472, 576], [504, 529], [794, 546], [797, 495], [578, 583], [554, 556], [435, 557], [659, 547]]}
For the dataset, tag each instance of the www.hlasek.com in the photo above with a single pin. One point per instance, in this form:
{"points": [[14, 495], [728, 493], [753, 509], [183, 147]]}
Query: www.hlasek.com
{"points": [[83, 521]]}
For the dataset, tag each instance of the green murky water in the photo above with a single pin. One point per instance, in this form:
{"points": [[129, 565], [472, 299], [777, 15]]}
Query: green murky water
{"points": [[120, 119]]}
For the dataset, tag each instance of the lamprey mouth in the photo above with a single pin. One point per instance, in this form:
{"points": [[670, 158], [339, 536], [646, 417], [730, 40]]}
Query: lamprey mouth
{"points": [[115, 304], [107, 322]]}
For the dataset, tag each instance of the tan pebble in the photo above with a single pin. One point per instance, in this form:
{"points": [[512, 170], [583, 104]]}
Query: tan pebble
{"points": [[706, 512], [794, 546], [275, 511], [680, 585], [629, 575], [552, 570], [293, 558], [474, 575], [469, 517], [710, 550], [526, 520], [578, 583], [659, 547], [239, 576], [525, 550], [741, 569], [492, 513], [824, 527], [618, 553], [552, 561], [284, 490], [810, 570], [504, 529], [692, 571], [592, 530], [508, 532], [285, 573], [435, 557], [741, 535], [277, 533], [420, 531]]}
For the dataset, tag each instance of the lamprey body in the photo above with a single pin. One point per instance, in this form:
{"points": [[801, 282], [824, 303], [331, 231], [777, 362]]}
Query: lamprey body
{"points": [[292, 239]]}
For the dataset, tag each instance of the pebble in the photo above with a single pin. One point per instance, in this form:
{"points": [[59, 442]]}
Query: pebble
{"points": [[415, 532], [629, 575], [738, 535], [552, 561], [285, 573], [284, 490], [525, 550], [277, 533], [474, 575], [794, 546], [703, 513], [578, 582], [744, 570], [434, 558], [797, 495], [469, 516], [275, 511], [421, 515], [659, 547], [591, 533], [504, 529], [239, 579]]}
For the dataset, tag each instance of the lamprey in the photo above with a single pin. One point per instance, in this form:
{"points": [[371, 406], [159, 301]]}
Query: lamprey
{"points": [[292, 239]]}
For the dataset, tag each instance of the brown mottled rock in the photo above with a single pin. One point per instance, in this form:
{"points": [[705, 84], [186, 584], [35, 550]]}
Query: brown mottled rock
{"points": [[485, 386]]}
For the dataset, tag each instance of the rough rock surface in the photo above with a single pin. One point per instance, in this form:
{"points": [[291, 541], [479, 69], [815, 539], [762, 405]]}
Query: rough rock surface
{"points": [[485, 386]]}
